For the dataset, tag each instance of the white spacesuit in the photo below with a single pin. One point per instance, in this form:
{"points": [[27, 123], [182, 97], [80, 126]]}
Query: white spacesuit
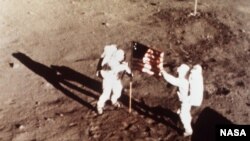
{"points": [[185, 86], [196, 85], [112, 71]]}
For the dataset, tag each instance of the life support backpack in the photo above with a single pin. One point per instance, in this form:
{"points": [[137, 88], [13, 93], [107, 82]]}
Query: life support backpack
{"points": [[108, 53], [196, 86], [110, 58]]}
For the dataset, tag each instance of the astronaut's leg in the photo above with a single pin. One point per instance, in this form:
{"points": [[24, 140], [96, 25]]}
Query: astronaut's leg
{"points": [[104, 97], [117, 90], [186, 119]]}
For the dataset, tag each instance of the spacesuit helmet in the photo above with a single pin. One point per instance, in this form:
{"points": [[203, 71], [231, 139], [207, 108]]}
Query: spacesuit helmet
{"points": [[109, 50], [183, 69], [119, 55], [197, 68]]}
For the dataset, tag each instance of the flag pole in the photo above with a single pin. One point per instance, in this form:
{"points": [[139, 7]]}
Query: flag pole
{"points": [[131, 79], [130, 97], [195, 7]]}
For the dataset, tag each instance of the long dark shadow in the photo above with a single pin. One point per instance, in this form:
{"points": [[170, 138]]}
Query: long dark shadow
{"points": [[70, 74], [57, 75], [158, 114], [204, 128], [49, 75]]}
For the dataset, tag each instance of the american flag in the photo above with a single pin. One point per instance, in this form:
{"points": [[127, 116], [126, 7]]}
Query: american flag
{"points": [[146, 59]]}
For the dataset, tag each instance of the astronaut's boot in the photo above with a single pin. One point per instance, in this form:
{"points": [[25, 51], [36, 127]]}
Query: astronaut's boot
{"points": [[117, 104], [99, 110], [188, 133]]}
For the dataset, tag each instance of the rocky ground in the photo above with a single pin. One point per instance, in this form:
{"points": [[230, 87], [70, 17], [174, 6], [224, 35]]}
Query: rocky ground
{"points": [[49, 51]]}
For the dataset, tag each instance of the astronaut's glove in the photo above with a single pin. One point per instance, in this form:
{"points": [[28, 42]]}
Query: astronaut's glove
{"points": [[131, 75]]}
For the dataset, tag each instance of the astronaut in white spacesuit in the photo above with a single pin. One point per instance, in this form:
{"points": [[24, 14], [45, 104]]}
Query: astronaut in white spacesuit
{"points": [[194, 98], [113, 67]]}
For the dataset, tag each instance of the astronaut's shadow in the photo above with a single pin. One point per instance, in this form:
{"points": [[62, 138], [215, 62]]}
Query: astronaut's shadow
{"points": [[60, 77], [68, 74]]}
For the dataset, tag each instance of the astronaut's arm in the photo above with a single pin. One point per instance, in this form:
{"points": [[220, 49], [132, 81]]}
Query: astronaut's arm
{"points": [[170, 78], [99, 66]]}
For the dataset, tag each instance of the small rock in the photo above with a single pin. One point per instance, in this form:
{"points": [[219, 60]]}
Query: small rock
{"points": [[242, 30], [124, 125], [29, 13], [96, 136], [133, 128], [145, 134], [14, 65], [11, 65], [94, 128], [105, 24], [72, 124], [153, 4], [19, 126], [134, 113], [153, 131], [47, 119], [48, 85], [149, 121]]}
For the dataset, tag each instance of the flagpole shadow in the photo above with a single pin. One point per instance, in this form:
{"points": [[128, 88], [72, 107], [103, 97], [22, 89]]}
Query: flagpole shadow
{"points": [[51, 76], [158, 114]]}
